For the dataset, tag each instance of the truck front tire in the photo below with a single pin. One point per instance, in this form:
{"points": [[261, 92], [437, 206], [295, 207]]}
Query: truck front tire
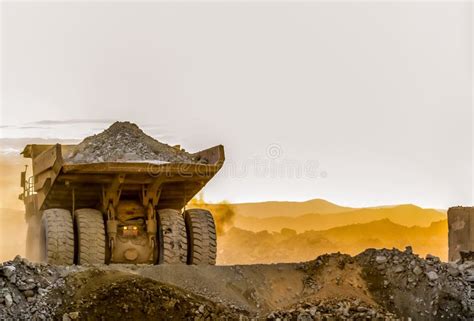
{"points": [[57, 237]]}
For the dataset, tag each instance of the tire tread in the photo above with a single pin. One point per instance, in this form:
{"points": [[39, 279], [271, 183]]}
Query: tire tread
{"points": [[59, 236], [173, 241], [202, 242], [90, 236]]}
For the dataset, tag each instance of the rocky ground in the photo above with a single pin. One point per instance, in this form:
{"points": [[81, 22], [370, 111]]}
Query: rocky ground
{"points": [[374, 285], [126, 142]]}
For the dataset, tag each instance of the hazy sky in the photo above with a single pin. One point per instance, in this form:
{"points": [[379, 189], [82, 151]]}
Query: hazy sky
{"points": [[358, 103]]}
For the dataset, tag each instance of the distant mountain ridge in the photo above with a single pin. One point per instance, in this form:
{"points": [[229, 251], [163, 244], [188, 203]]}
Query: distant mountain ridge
{"points": [[291, 209], [406, 215]]}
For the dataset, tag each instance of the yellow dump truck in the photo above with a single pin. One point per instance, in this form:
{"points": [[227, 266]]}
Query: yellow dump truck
{"points": [[117, 212]]}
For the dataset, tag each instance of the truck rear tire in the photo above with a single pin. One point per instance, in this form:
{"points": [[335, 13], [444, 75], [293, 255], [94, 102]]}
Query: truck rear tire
{"points": [[57, 237], [90, 228], [171, 237], [202, 244]]}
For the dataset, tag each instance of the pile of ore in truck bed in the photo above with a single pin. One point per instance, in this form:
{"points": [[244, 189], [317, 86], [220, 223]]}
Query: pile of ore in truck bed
{"points": [[126, 142]]}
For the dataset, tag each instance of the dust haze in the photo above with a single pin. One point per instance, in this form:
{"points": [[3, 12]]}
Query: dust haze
{"points": [[270, 232], [12, 222], [223, 212]]}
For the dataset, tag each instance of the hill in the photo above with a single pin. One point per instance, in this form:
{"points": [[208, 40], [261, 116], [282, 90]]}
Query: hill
{"points": [[290, 209], [249, 247], [407, 215]]}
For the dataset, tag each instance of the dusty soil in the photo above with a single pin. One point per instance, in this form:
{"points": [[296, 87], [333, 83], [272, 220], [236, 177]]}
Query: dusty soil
{"points": [[376, 284], [252, 288]]}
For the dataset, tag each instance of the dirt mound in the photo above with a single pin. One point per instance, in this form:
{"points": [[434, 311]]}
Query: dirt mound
{"points": [[333, 289], [376, 284], [335, 276], [411, 286], [103, 294], [126, 142], [387, 284], [253, 288]]}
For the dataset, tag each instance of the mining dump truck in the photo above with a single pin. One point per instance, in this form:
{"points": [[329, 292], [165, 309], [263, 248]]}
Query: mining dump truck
{"points": [[117, 212]]}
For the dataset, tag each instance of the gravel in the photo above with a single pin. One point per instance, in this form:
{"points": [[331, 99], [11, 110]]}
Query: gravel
{"points": [[345, 309], [126, 142], [423, 289], [402, 285], [24, 289]]}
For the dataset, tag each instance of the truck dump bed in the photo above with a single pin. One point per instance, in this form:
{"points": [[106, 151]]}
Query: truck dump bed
{"points": [[57, 183]]}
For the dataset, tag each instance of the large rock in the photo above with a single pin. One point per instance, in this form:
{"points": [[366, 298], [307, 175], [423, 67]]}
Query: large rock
{"points": [[8, 300], [8, 270], [417, 270], [432, 275]]}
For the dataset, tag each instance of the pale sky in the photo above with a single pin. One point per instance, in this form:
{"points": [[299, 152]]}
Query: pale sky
{"points": [[361, 104]]}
